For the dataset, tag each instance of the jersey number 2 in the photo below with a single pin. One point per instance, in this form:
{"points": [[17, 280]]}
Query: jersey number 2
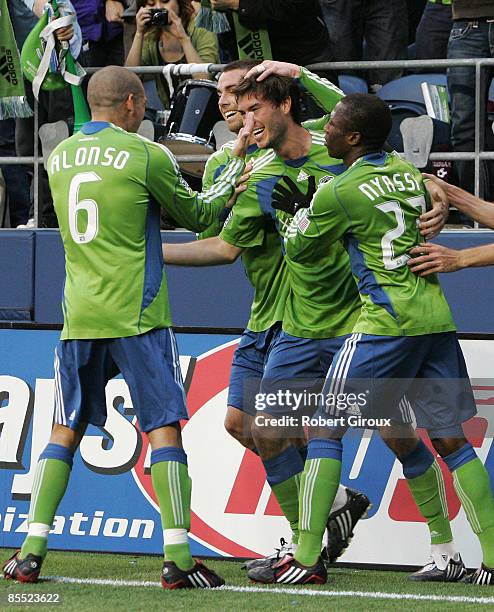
{"points": [[389, 260], [76, 206]]}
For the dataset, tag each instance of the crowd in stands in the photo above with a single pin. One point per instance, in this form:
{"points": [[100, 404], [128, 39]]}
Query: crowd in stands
{"points": [[124, 32]]}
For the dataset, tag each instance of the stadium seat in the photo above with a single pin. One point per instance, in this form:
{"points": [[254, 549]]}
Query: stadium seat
{"points": [[352, 84], [408, 88]]}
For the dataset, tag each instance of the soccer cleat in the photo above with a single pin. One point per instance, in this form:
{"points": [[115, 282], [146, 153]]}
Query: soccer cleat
{"points": [[289, 571], [22, 570], [199, 577], [484, 575], [454, 571], [279, 553], [341, 524]]}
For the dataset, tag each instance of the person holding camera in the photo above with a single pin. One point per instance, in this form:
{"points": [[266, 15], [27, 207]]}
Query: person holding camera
{"points": [[166, 34]]}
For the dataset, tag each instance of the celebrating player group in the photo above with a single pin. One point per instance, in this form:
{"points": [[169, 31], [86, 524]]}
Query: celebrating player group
{"points": [[340, 326]]}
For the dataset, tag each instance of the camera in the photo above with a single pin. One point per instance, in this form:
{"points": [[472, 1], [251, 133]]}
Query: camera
{"points": [[159, 17]]}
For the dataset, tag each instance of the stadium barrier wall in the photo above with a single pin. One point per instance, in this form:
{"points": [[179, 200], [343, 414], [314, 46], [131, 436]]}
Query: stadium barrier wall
{"points": [[32, 277], [109, 505]]}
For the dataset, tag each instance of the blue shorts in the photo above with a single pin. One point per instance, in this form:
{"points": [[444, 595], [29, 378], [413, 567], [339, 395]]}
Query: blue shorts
{"points": [[390, 373], [297, 368], [149, 364], [248, 367]]}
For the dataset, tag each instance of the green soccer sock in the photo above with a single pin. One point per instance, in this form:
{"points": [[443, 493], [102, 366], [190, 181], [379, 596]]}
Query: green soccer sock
{"points": [[50, 482], [283, 474], [473, 487], [318, 486], [173, 487], [429, 493], [287, 493]]}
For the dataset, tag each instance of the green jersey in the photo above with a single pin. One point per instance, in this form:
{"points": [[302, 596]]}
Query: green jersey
{"points": [[321, 300], [255, 226], [108, 186], [374, 207]]}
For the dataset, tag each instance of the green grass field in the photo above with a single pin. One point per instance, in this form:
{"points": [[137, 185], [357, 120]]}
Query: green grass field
{"points": [[347, 589]]}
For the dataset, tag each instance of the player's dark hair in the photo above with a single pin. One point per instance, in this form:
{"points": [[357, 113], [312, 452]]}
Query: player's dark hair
{"points": [[368, 115], [275, 89]]}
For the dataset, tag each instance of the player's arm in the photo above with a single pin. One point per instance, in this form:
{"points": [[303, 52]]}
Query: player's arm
{"points": [[323, 92], [431, 258], [214, 166], [209, 252], [469, 204], [192, 210], [325, 220]]}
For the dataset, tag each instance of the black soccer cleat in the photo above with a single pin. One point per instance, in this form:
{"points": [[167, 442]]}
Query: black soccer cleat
{"points": [[22, 570], [279, 553], [455, 571], [289, 571], [483, 576], [341, 524], [199, 577]]}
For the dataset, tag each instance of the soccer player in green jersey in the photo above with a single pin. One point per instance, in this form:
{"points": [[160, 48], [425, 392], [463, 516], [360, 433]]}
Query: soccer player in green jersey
{"points": [[108, 185], [253, 231], [405, 332]]}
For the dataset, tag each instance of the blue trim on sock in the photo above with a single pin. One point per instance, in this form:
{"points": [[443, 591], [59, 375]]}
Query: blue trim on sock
{"points": [[168, 453], [463, 455], [320, 448], [283, 466], [418, 461], [303, 453], [57, 451]]}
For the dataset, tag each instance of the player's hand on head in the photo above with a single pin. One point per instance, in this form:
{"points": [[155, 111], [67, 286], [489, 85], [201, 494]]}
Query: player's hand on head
{"points": [[143, 16], [268, 67], [291, 199], [431, 258]]}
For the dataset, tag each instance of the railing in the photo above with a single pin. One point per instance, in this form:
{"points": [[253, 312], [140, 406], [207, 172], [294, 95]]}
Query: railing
{"points": [[477, 155]]}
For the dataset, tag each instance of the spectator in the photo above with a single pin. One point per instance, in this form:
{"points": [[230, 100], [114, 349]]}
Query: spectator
{"points": [[179, 42], [470, 37], [52, 106], [433, 31], [415, 11], [102, 32], [296, 29], [368, 29]]}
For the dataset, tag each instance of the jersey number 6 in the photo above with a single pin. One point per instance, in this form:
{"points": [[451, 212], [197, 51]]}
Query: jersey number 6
{"points": [[76, 206]]}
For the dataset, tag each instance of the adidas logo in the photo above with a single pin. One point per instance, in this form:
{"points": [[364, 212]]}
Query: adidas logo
{"points": [[251, 45], [302, 176], [7, 68]]}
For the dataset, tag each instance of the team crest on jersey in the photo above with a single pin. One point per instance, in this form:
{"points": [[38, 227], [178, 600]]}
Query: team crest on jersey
{"points": [[326, 179]]}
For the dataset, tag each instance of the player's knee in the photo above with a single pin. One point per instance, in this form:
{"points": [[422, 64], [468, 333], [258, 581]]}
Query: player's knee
{"points": [[446, 446], [64, 436], [237, 424]]}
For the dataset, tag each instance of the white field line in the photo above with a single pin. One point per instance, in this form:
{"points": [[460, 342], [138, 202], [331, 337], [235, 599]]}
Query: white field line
{"points": [[283, 591]]}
